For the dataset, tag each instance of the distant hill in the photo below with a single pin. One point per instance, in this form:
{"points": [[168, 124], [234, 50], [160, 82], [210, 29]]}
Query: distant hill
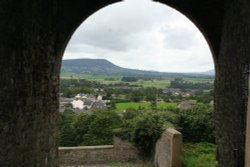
{"points": [[209, 72], [104, 67]]}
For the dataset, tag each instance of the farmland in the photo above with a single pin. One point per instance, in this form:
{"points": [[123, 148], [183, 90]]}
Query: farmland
{"points": [[120, 107], [157, 83]]}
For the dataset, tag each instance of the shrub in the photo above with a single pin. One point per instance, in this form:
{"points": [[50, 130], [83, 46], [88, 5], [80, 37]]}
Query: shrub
{"points": [[196, 124], [82, 126], [144, 130], [101, 128], [67, 136]]}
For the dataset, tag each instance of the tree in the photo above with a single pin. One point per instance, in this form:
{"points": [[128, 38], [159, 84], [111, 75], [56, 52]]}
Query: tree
{"points": [[67, 135], [136, 96], [196, 124], [150, 93], [129, 79], [147, 130], [153, 105], [82, 125], [112, 105], [101, 128]]}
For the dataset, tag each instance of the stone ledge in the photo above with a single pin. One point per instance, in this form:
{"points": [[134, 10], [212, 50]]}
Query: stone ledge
{"points": [[87, 147]]}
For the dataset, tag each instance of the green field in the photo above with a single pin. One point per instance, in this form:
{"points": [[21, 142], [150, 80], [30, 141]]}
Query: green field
{"points": [[117, 79], [120, 107], [97, 78], [160, 84], [198, 79]]}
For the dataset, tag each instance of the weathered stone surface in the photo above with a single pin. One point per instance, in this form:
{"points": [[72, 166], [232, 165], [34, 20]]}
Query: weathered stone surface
{"points": [[33, 36], [121, 151], [247, 147], [29, 67], [168, 149], [229, 102]]}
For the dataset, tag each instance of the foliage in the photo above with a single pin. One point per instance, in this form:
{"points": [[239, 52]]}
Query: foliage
{"points": [[112, 104], [71, 87], [137, 96], [67, 131], [120, 107], [88, 129], [147, 131], [129, 79], [144, 129], [101, 128], [196, 124], [82, 126], [150, 94], [153, 105], [141, 126], [131, 113], [204, 97], [181, 84], [199, 155], [67, 135]]}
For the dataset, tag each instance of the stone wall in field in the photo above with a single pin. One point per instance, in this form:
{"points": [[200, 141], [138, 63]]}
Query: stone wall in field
{"points": [[121, 151], [168, 149]]}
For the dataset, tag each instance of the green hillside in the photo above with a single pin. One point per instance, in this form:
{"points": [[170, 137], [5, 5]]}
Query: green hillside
{"points": [[102, 67]]}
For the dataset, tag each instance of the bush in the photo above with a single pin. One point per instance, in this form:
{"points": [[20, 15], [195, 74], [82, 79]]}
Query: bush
{"points": [[144, 130], [101, 128], [82, 126], [129, 79], [196, 124], [67, 136], [88, 129]]}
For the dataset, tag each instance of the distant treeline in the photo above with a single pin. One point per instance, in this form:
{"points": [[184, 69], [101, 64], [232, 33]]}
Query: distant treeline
{"points": [[136, 78], [129, 79], [181, 84]]}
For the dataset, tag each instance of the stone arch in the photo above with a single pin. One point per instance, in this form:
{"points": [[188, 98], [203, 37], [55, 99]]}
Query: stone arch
{"points": [[33, 38]]}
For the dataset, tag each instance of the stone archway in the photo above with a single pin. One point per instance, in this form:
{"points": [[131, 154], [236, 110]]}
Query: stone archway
{"points": [[33, 36]]}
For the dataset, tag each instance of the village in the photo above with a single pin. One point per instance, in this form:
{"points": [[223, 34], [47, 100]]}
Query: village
{"points": [[99, 100]]}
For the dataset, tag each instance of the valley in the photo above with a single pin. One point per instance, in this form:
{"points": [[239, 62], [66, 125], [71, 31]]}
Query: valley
{"points": [[99, 100]]}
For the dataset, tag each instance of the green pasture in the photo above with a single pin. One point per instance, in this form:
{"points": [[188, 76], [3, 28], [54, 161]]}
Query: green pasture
{"points": [[120, 107], [158, 83], [198, 79]]}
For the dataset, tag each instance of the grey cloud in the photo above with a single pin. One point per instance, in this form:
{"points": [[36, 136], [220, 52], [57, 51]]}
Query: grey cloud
{"points": [[135, 33], [179, 38], [116, 26]]}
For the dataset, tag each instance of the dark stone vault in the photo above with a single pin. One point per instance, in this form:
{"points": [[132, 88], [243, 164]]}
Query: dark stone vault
{"points": [[33, 36]]}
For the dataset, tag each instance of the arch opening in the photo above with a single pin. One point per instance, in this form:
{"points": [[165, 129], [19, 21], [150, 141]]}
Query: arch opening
{"points": [[124, 42]]}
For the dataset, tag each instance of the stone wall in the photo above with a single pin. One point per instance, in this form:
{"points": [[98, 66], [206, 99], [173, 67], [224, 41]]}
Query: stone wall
{"points": [[121, 151], [247, 147], [168, 149]]}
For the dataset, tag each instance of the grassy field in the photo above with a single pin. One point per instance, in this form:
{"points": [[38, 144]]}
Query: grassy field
{"points": [[97, 78], [198, 79], [160, 84], [117, 79], [120, 107], [199, 155]]}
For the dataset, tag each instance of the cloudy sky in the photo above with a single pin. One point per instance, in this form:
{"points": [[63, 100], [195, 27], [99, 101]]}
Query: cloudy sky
{"points": [[142, 34]]}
